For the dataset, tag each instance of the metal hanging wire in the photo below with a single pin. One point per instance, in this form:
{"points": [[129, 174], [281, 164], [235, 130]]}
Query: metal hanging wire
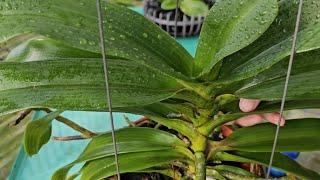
{"points": [[176, 20], [107, 87], [285, 90]]}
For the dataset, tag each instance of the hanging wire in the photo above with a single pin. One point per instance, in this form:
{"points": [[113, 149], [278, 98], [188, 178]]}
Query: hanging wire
{"points": [[285, 90], [176, 20], [108, 94]]}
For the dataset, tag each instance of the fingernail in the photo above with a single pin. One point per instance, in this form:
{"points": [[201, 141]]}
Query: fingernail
{"points": [[247, 105]]}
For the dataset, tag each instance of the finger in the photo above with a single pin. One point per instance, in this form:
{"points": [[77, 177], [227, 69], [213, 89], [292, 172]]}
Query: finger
{"points": [[226, 130], [248, 105], [249, 120], [274, 118]]}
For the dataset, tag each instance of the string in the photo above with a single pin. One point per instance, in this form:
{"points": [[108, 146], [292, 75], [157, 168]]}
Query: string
{"points": [[285, 90], [107, 87], [176, 20]]}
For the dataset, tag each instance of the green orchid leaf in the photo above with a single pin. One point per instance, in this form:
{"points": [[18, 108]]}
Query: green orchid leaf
{"points": [[78, 84], [271, 59], [179, 125], [128, 34], [304, 62], [129, 140], [194, 7], [168, 4], [50, 58], [304, 86], [132, 162], [231, 26], [282, 28], [280, 161], [308, 39], [38, 133], [41, 48], [297, 135], [183, 102]]}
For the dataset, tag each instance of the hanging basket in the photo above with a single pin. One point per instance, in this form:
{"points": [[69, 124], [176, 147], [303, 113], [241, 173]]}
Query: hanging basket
{"points": [[186, 25]]}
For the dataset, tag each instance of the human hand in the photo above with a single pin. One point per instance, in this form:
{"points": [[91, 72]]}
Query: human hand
{"points": [[248, 105]]}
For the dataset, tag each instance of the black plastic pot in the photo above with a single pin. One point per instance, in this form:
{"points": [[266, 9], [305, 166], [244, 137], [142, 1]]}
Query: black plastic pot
{"points": [[186, 25]]}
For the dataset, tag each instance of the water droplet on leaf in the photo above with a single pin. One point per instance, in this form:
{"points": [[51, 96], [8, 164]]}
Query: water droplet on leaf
{"points": [[91, 43], [83, 41]]}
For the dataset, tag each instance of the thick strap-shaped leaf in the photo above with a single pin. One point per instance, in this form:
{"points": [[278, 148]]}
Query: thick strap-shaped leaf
{"points": [[129, 140], [132, 162], [128, 34], [281, 29], [273, 62], [296, 135], [163, 109], [184, 102], [304, 86], [305, 65], [41, 48], [280, 161], [38, 133], [79, 84], [231, 26], [304, 62], [290, 105], [308, 39]]}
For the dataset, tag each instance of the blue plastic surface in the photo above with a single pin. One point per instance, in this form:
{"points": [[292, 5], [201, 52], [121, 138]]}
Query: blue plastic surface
{"points": [[277, 173], [57, 154], [274, 172], [292, 155]]}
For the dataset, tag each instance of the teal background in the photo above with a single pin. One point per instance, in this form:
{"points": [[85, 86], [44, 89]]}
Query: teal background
{"points": [[57, 154]]}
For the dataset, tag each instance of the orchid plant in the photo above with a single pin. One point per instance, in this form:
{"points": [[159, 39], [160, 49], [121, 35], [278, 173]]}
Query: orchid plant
{"points": [[52, 62]]}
